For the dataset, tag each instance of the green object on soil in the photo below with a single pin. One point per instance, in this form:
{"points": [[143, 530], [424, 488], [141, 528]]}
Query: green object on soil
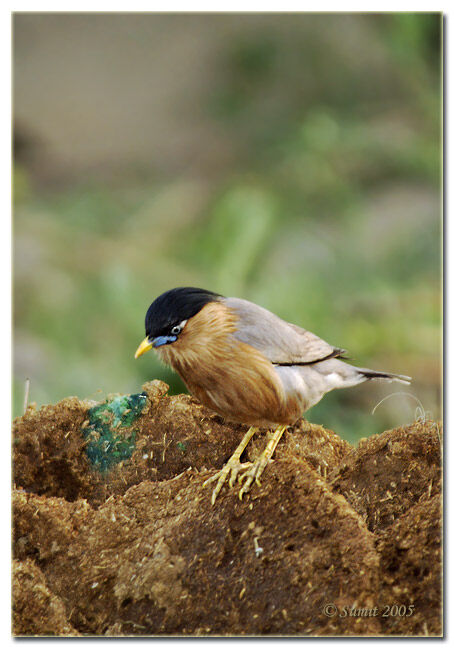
{"points": [[107, 443], [181, 446]]}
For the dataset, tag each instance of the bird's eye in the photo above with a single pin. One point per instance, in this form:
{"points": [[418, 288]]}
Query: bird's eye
{"points": [[175, 330]]}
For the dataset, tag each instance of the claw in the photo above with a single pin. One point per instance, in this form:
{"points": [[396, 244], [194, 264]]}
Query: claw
{"points": [[233, 467], [250, 476], [210, 480], [235, 470], [252, 471], [246, 488], [256, 469]]}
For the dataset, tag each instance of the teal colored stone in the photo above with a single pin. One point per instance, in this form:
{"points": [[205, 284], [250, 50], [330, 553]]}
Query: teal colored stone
{"points": [[107, 442]]}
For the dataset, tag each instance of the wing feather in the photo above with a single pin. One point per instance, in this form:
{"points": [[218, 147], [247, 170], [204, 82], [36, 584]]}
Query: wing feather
{"points": [[279, 341]]}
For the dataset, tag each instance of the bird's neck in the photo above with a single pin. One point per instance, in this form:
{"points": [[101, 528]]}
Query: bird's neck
{"points": [[204, 345]]}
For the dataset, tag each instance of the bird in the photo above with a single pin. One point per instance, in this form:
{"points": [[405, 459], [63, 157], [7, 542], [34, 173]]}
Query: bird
{"points": [[248, 365]]}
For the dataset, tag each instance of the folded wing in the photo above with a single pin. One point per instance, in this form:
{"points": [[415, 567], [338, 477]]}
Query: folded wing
{"points": [[279, 341]]}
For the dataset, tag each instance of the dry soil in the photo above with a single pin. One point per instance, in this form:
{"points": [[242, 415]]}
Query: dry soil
{"points": [[114, 534]]}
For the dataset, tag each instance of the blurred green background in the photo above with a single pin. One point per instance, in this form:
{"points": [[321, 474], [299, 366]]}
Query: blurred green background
{"points": [[293, 160]]}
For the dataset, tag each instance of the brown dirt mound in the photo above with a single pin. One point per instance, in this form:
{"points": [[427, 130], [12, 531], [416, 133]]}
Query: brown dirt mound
{"points": [[388, 473], [36, 609], [114, 534]]}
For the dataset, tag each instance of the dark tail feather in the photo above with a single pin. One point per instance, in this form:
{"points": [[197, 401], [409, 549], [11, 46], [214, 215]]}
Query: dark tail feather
{"points": [[371, 375]]}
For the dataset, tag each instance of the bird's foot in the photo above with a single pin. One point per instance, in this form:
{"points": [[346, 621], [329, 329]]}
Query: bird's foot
{"points": [[253, 474], [232, 467], [255, 471]]}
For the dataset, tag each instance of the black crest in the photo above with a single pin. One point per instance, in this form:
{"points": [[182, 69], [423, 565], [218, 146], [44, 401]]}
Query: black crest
{"points": [[174, 306]]}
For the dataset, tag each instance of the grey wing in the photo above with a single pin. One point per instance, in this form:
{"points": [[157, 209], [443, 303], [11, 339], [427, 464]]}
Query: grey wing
{"points": [[279, 341]]}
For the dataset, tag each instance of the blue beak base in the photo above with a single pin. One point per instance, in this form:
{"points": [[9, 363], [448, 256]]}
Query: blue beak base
{"points": [[163, 339]]}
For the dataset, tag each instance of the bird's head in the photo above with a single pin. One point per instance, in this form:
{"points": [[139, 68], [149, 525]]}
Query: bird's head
{"points": [[168, 315]]}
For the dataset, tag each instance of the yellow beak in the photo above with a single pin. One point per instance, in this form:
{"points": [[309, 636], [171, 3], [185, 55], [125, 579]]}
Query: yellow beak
{"points": [[144, 346]]}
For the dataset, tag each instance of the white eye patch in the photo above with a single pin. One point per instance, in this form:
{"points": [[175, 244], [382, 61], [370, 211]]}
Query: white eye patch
{"points": [[175, 330]]}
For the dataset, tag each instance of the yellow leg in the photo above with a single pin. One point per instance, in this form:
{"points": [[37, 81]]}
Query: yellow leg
{"points": [[254, 472], [232, 466]]}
